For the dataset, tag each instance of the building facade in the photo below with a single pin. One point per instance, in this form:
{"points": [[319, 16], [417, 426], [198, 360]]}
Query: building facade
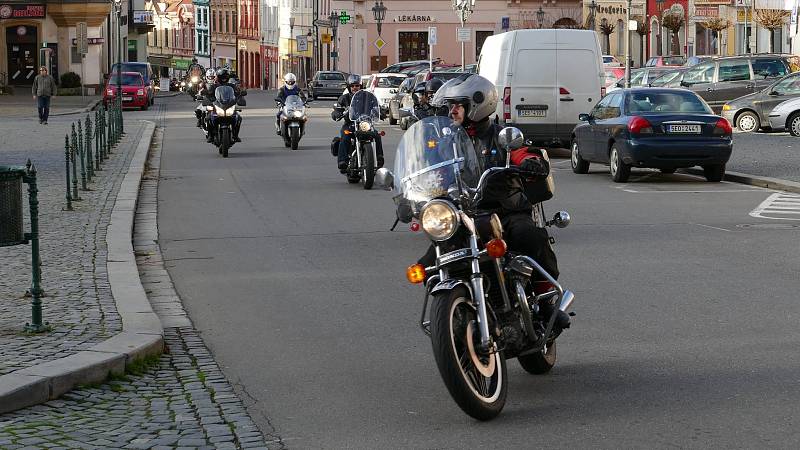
{"points": [[608, 19], [202, 37], [269, 34], [249, 43], [296, 19], [224, 25], [181, 15]]}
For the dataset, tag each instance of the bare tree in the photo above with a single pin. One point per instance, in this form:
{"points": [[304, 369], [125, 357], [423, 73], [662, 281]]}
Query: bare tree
{"points": [[673, 22], [642, 29], [717, 24], [607, 28], [771, 19]]}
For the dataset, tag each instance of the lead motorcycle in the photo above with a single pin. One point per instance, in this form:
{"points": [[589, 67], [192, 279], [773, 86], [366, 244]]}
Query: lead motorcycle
{"points": [[483, 308], [224, 113], [363, 112], [293, 120]]}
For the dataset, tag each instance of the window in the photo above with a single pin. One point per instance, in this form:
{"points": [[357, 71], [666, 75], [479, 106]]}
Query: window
{"points": [[74, 55], [637, 79], [788, 86], [390, 82], [413, 45], [608, 108], [480, 38], [703, 73], [734, 70], [769, 68], [233, 21], [227, 21], [665, 102], [331, 76]]}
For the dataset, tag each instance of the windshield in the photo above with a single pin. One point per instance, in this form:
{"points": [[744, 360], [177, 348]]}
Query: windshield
{"points": [[390, 82], [678, 101], [429, 157], [293, 102], [128, 79], [364, 103], [225, 94], [331, 77], [668, 79]]}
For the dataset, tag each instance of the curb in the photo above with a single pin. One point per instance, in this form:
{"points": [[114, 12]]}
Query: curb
{"points": [[88, 108], [169, 95], [142, 333], [754, 180]]}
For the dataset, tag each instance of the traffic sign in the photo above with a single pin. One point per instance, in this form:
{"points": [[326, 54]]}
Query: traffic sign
{"points": [[326, 38], [302, 43], [505, 23], [322, 23], [344, 17], [432, 38], [81, 37], [464, 34], [379, 43]]}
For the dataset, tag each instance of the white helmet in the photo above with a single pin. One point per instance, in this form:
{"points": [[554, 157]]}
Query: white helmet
{"points": [[210, 75], [290, 80]]}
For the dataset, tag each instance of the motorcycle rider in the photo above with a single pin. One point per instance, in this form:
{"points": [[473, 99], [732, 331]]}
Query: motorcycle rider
{"points": [[223, 79], [472, 100], [353, 85], [424, 93], [211, 76], [290, 87]]}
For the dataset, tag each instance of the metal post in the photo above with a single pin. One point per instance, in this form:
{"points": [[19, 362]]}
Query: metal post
{"points": [[89, 158], [73, 154], [118, 4], [36, 325], [79, 155], [628, 46], [463, 44], [97, 154], [82, 149], [66, 160]]}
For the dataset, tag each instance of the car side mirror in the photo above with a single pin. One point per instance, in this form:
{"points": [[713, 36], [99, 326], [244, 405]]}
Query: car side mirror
{"points": [[685, 84], [774, 93], [583, 117], [384, 178]]}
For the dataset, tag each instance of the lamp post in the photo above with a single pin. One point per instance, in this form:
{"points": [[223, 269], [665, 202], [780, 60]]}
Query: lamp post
{"points": [[118, 9], [628, 45], [379, 14], [334, 19], [592, 10], [540, 16], [291, 45], [463, 8]]}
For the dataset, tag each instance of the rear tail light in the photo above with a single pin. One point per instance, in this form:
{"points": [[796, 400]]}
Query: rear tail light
{"points": [[640, 125], [563, 91], [722, 128], [507, 105]]}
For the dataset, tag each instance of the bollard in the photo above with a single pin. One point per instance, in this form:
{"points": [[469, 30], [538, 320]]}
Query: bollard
{"points": [[110, 135], [83, 152], [72, 153], [79, 158], [66, 159], [88, 142], [121, 120], [97, 154]]}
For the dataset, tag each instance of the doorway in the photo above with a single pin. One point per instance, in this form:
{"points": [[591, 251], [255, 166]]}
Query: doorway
{"points": [[21, 42]]}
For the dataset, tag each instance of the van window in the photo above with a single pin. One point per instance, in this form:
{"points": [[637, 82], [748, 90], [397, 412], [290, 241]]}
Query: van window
{"points": [[769, 68], [734, 70], [701, 73], [389, 82]]}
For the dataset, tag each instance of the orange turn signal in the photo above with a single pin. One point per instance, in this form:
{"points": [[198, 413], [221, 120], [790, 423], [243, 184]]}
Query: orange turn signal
{"points": [[348, 132], [415, 273], [496, 248], [382, 133]]}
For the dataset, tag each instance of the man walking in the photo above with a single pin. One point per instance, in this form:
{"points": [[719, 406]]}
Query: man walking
{"points": [[44, 87]]}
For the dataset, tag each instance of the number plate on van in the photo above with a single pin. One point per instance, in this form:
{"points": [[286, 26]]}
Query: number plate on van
{"points": [[532, 113], [684, 129]]}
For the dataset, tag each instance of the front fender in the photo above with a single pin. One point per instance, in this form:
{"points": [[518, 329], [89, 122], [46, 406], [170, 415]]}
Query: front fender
{"points": [[449, 285]]}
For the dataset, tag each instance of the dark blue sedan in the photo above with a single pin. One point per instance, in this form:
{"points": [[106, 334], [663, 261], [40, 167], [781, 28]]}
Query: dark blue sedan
{"points": [[665, 129]]}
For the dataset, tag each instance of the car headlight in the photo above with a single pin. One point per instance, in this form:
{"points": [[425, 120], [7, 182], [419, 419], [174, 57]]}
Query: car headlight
{"points": [[230, 111], [219, 110], [726, 107], [297, 114], [365, 126], [439, 220]]}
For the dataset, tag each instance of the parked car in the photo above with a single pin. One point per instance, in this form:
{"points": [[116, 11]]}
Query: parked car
{"points": [[427, 75], [396, 102], [670, 79], [666, 129], [134, 90], [640, 78], [665, 61], [612, 76], [786, 116], [544, 101], [409, 65], [384, 86], [326, 84], [695, 60], [751, 112], [611, 61], [146, 70], [725, 79]]}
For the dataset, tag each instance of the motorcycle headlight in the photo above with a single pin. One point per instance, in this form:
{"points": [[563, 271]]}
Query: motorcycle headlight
{"points": [[297, 114], [365, 126], [195, 79], [439, 220], [230, 111], [183, 83], [219, 110], [209, 108]]}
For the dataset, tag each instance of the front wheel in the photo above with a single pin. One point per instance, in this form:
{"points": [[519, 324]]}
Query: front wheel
{"points": [[793, 124], [748, 122], [224, 141], [294, 137], [476, 381], [714, 173], [368, 161]]}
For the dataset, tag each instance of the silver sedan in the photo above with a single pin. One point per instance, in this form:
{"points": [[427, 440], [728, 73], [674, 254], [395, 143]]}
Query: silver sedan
{"points": [[786, 116]]}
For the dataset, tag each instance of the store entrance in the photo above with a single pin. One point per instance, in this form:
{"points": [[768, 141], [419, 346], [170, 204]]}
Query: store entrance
{"points": [[22, 54], [413, 45]]}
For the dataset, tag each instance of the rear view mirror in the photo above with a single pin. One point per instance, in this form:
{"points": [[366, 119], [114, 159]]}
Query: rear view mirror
{"points": [[405, 112], [774, 93], [583, 117], [241, 102], [244, 92], [384, 178], [511, 138]]}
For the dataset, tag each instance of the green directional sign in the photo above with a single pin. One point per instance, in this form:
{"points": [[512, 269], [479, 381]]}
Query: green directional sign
{"points": [[344, 17]]}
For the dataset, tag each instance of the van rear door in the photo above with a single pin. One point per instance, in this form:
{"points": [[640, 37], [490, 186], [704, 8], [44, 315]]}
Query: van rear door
{"points": [[578, 84], [533, 100]]}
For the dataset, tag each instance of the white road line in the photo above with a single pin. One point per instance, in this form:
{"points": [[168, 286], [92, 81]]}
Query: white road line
{"points": [[714, 228], [778, 206]]}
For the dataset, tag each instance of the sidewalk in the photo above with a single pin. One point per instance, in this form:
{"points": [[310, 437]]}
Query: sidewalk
{"points": [[22, 105]]}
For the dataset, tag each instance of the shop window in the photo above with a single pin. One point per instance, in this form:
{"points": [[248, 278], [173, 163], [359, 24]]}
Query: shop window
{"points": [[413, 45]]}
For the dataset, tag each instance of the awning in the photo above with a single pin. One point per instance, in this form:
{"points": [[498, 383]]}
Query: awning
{"points": [[164, 61]]}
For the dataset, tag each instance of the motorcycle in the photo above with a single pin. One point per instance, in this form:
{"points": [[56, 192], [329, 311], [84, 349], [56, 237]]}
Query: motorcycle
{"points": [[293, 120], [224, 115], [363, 112], [483, 307]]}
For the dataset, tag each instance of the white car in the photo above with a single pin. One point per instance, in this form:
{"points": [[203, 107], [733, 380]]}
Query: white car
{"points": [[384, 86], [611, 61], [786, 116]]}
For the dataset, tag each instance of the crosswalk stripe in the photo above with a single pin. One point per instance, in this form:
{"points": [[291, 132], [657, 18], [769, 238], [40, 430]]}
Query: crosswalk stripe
{"points": [[778, 206]]}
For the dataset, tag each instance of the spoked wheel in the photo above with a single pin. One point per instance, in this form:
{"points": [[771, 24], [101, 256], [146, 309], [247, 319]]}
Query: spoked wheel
{"points": [[368, 161], [541, 361], [476, 381], [748, 122], [793, 125]]}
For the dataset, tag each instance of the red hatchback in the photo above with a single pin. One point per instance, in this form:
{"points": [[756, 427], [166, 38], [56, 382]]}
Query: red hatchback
{"points": [[134, 91]]}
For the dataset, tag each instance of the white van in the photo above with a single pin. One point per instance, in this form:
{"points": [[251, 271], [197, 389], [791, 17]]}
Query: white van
{"points": [[544, 79]]}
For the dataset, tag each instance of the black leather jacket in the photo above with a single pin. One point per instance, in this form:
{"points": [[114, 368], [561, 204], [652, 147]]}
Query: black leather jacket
{"points": [[344, 102], [210, 92]]}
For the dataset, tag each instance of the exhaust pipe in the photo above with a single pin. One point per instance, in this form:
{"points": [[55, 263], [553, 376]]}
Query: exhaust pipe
{"points": [[566, 300]]}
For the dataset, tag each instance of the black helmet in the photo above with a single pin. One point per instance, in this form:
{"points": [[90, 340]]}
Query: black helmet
{"points": [[432, 86], [223, 76], [194, 60], [354, 80], [420, 87]]}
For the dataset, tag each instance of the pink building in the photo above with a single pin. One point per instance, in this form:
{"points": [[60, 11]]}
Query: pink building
{"points": [[406, 26]]}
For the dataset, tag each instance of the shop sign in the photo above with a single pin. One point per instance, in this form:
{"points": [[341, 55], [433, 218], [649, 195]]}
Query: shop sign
{"points": [[180, 64], [713, 2], [143, 17], [414, 18], [94, 41], [705, 12], [17, 11]]}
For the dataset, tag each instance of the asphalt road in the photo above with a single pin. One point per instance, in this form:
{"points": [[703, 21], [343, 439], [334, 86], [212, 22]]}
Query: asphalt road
{"points": [[774, 155], [685, 335]]}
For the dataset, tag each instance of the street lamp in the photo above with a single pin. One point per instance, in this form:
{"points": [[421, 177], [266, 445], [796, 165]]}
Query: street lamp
{"points": [[118, 10], [463, 8], [334, 19], [379, 14], [291, 45], [592, 10], [540, 16]]}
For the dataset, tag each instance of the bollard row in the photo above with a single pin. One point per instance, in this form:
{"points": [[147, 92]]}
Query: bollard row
{"points": [[87, 145]]}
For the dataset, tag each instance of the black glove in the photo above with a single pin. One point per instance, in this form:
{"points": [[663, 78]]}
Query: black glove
{"points": [[536, 166]]}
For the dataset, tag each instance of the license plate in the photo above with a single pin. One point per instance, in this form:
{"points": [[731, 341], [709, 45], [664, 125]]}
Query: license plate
{"points": [[684, 129], [127, 99], [533, 113]]}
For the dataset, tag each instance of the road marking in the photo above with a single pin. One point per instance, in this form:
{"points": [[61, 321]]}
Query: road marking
{"points": [[714, 228], [778, 206]]}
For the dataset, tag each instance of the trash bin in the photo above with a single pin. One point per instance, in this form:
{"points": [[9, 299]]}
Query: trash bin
{"points": [[11, 223]]}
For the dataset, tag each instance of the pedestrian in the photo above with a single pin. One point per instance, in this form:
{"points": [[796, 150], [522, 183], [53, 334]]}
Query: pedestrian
{"points": [[44, 87]]}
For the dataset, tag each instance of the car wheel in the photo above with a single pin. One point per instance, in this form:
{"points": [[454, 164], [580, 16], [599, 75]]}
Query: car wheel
{"points": [[793, 124], [619, 170], [579, 165], [714, 173], [748, 122]]}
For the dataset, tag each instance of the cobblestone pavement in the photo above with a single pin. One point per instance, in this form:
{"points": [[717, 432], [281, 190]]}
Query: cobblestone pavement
{"points": [[78, 303], [180, 401]]}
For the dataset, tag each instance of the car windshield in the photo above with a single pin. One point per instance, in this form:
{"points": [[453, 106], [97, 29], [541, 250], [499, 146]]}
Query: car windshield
{"points": [[668, 79], [364, 103], [225, 94], [127, 79], [433, 156], [141, 68], [674, 60], [637, 78], [608, 59], [648, 102], [390, 82], [294, 102], [331, 77]]}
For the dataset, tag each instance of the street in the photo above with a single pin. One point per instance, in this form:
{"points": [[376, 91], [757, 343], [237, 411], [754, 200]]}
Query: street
{"points": [[685, 332]]}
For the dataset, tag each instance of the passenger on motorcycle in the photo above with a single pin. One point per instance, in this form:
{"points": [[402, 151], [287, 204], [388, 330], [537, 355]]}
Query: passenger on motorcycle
{"points": [[290, 87], [471, 100], [223, 79], [345, 143], [211, 75]]}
